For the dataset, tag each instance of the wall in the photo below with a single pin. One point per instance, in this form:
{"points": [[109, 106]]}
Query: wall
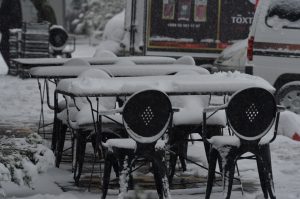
{"points": [[58, 6]]}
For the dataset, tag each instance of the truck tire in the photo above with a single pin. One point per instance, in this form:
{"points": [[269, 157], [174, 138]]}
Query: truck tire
{"points": [[289, 96]]}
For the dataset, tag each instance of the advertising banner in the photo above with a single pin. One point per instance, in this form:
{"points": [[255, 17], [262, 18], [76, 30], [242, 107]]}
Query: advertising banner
{"points": [[206, 26]]}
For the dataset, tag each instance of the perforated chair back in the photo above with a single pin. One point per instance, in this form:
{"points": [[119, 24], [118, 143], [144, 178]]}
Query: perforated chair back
{"points": [[251, 113], [146, 115], [58, 37]]}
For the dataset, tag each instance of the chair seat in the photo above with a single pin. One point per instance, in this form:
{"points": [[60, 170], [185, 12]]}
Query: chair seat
{"points": [[62, 105], [221, 141], [122, 143], [84, 116], [63, 115], [128, 143]]}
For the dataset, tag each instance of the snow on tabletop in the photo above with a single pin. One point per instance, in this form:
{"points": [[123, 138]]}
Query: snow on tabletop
{"points": [[114, 70], [218, 82]]}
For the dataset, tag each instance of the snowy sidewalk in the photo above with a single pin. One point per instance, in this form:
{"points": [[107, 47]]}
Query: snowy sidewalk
{"points": [[20, 110]]}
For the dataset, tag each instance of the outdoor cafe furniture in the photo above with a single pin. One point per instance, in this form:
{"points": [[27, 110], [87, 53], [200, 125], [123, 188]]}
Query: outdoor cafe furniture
{"points": [[147, 116], [75, 117], [114, 70], [27, 63], [252, 116], [215, 84], [76, 66], [79, 119]]}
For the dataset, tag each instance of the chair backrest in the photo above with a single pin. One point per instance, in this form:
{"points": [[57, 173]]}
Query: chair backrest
{"points": [[106, 102], [185, 60], [146, 115], [76, 62], [251, 113], [58, 37], [104, 54]]}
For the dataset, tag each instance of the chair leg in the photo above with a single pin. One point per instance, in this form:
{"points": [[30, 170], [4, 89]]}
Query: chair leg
{"points": [[160, 176], [56, 126], [106, 176], [80, 153], [123, 179], [262, 176], [213, 156], [228, 172], [172, 166], [60, 144], [267, 169]]}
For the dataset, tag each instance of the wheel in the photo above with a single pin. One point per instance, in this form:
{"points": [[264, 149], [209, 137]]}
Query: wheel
{"points": [[289, 96]]}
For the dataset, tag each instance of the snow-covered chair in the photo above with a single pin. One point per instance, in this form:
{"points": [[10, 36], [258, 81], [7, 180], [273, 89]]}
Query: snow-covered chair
{"points": [[59, 39], [187, 121], [61, 105], [252, 116], [185, 60], [147, 115], [78, 116], [104, 53]]}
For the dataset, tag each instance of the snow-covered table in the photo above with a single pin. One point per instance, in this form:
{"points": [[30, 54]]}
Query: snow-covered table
{"points": [[174, 85], [186, 87], [114, 70], [34, 62], [183, 87], [219, 83]]}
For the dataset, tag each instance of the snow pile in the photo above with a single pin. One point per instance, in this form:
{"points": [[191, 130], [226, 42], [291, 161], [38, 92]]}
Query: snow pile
{"points": [[234, 55], [22, 159], [113, 34], [289, 125]]}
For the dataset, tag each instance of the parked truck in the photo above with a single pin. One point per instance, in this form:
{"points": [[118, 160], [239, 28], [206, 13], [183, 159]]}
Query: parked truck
{"points": [[199, 28]]}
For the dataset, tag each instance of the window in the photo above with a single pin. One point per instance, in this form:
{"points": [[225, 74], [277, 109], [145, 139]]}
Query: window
{"points": [[284, 14]]}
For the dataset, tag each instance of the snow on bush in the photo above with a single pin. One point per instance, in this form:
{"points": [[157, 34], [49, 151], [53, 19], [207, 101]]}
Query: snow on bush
{"points": [[22, 159], [92, 15]]}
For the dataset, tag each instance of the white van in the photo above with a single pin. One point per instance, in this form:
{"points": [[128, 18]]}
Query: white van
{"points": [[272, 50]]}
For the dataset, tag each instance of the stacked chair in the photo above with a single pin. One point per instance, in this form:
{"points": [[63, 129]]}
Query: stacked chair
{"points": [[34, 43], [147, 116], [252, 116], [35, 40], [14, 49]]}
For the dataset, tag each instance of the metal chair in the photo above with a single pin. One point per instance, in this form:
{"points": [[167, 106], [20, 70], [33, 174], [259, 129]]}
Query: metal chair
{"points": [[77, 116], [147, 115], [252, 115], [59, 40]]}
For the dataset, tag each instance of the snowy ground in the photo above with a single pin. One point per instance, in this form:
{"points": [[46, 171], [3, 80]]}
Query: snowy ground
{"points": [[19, 106]]}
